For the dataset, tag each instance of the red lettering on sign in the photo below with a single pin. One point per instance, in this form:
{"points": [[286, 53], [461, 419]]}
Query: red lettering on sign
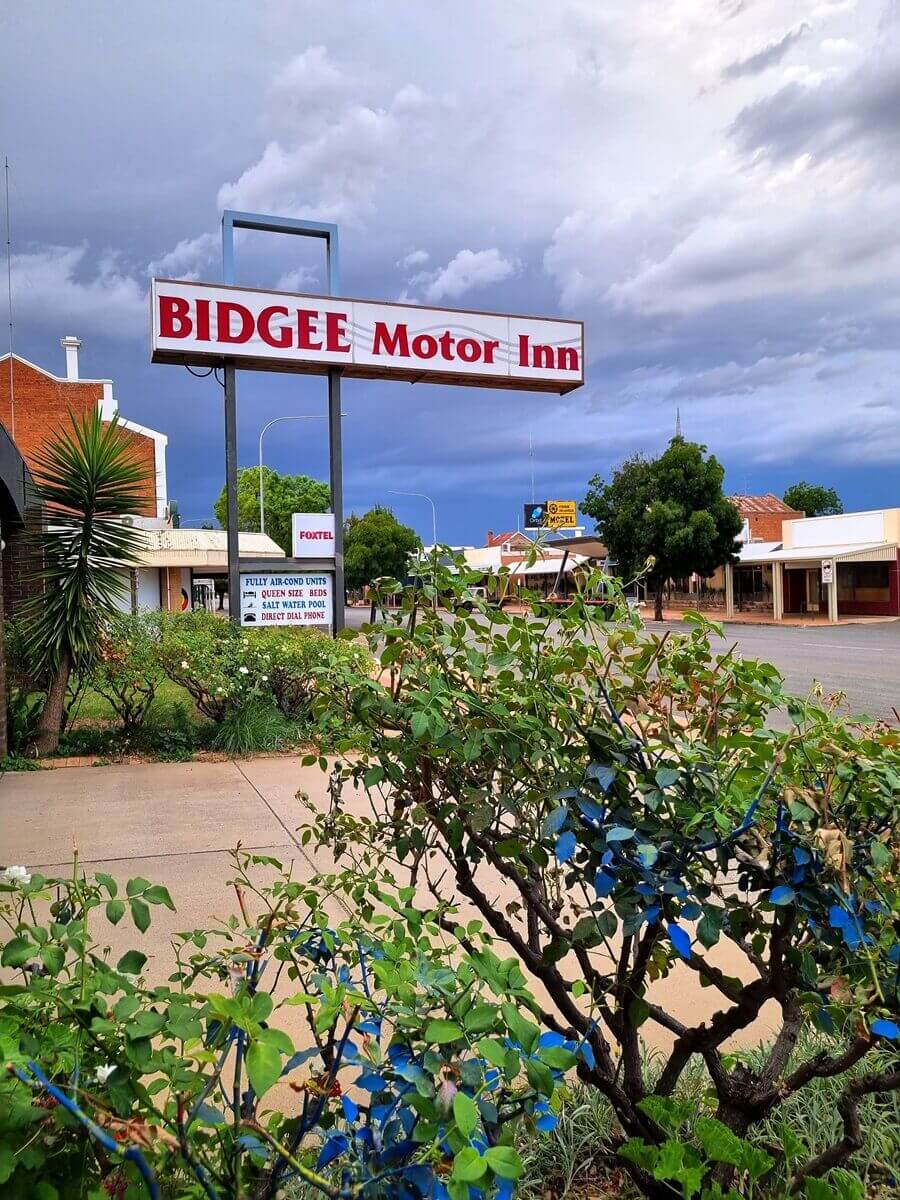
{"points": [[335, 328], [523, 350], [391, 343], [202, 320], [445, 341], [489, 348], [567, 358], [173, 317], [306, 329], [225, 309], [263, 324], [424, 346], [468, 350]]}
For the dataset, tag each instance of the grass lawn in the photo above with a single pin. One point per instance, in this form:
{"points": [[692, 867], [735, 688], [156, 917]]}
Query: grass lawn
{"points": [[92, 706]]}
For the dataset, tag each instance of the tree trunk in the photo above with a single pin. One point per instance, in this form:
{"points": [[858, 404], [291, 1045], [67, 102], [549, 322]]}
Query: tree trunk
{"points": [[50, 724], [658, 606]]}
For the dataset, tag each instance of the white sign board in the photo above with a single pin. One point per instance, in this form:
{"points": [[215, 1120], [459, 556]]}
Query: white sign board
{"points": [[312, 535], [278, 598], [827, 570], [204, 323]]}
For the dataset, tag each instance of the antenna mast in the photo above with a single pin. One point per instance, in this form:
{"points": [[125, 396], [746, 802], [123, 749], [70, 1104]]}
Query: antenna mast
{"points": [[12, 396]]}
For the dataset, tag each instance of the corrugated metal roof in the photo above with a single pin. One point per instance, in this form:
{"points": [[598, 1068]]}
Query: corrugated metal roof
{"points": [[201, 547], [851, 552], [749, 506]]}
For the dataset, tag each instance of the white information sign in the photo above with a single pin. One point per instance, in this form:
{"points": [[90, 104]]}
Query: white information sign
{"points": [[827, 570], [313, 535], [281, 598], [369, 339]]}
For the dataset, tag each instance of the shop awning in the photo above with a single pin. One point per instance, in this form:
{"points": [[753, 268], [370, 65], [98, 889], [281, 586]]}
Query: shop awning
{"points": [[203, 548], [813, 555]]}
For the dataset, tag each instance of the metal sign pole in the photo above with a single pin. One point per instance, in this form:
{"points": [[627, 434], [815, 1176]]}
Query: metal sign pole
{"points": [[232, 220], [231, 469], [336, 474]]}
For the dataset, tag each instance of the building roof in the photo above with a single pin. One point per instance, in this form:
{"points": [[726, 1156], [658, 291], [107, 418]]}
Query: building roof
{"points": [[752, 506], [772, 552], [588, 544], [201, 547], [510, 535], [549, 566]]}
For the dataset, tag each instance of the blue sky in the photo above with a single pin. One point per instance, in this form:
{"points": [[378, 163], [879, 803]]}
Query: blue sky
{"points": [[712, 185]]}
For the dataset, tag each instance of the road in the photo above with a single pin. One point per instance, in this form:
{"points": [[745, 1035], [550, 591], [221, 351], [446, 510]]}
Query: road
{"points": [[863, 661]]}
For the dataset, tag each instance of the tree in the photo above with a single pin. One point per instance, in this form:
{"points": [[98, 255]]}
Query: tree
{"points": [[88, 478], [283, 495], [666, 515], [813, 499], [376, 545]]}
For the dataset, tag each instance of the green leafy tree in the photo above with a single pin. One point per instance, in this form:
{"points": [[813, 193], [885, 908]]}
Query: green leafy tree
{"points": [[813, 499], [88, 479], [376, 545], [283, 495], [667, 516]]}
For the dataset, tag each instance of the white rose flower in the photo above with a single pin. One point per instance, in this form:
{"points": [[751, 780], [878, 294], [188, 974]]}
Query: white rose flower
{"points": [[184, 665], [103, 1073], [264, 678], [244, 670], [18, 876]]}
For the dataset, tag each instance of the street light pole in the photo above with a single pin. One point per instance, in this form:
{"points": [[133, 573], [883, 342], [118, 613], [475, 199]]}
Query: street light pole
{"points": [[422, 496], [268, 425]]}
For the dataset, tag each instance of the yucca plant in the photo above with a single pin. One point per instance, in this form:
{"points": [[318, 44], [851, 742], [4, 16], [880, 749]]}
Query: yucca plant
{"points": [[88, 479]]}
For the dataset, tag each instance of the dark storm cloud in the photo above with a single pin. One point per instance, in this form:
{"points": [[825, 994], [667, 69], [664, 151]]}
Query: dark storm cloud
{"points": [[769, 56], [857, 113]]}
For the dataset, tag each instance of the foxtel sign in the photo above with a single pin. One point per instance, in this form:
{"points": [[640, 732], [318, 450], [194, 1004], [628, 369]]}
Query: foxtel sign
{"points": [[203, 323]]}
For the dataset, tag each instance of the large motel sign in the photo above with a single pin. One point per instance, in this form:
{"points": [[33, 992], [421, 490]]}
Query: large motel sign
{"points": [[222, 325]]}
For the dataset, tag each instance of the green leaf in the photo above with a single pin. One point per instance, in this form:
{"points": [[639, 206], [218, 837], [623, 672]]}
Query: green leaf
{"points": [[442, 1031], [263, 1066], [136, 886], [107, 882], [53, 958], [480, 1018], [419, 724], [557, 1057], [131, 963], [7, 1161], [140, 914], [468, 1165], [261, 1006], [493, 1051], [465, 1114], [521, 1030], [504, 1161], [637, 1151], [665, 777], [638, 1011], [16, 952], [539, 1076], [157, 894], [115, 911]]}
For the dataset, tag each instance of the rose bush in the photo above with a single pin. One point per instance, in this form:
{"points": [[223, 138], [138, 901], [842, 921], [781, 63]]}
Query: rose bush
{"points": [[407, 1081], [127, 670], [616, 806]]}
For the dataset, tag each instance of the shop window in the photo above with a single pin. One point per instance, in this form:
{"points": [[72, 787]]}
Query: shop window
{"points": [[864, 583]]}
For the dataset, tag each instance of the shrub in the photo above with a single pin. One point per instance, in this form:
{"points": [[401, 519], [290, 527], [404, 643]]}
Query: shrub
{"points": [[628, 793], [409, 1082], [211, 660], [126, 670], [299, 660]]}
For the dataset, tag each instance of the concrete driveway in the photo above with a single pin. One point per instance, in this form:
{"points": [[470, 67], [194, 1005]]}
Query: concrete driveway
{"points": [[175, 823]]}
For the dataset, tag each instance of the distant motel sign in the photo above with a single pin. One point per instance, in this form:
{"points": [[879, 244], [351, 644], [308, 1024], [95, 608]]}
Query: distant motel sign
{"points": [[202, 323]]}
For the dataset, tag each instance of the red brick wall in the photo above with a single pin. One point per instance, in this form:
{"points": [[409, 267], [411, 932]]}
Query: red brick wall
{"points": [[766, 527], [42, 409]]}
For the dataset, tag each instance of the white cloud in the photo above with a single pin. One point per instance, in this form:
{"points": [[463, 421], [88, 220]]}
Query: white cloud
{"points": [[50, 287], [466, 270], [300, 279], [188, 258], [416, 258]]}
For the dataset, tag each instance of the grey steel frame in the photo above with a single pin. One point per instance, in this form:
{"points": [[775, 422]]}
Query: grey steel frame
{"points": [[232, 220]]}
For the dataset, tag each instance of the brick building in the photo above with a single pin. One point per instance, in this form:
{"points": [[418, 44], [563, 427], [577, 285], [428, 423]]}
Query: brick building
{"points": [[763, 516], [35, 404]]}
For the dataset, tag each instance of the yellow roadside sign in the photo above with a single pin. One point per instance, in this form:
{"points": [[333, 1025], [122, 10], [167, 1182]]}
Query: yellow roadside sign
{"points": [[561, 514]]}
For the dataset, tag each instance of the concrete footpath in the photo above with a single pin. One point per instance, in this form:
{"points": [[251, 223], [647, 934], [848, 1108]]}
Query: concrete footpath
{"points": [[174, 824]]}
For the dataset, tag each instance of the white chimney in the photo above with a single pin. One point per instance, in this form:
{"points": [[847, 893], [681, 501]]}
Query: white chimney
{"points": [[71, 345]]}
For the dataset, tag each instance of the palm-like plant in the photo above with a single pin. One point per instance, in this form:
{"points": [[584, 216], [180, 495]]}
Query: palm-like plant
{"points": [[88, 479]]}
